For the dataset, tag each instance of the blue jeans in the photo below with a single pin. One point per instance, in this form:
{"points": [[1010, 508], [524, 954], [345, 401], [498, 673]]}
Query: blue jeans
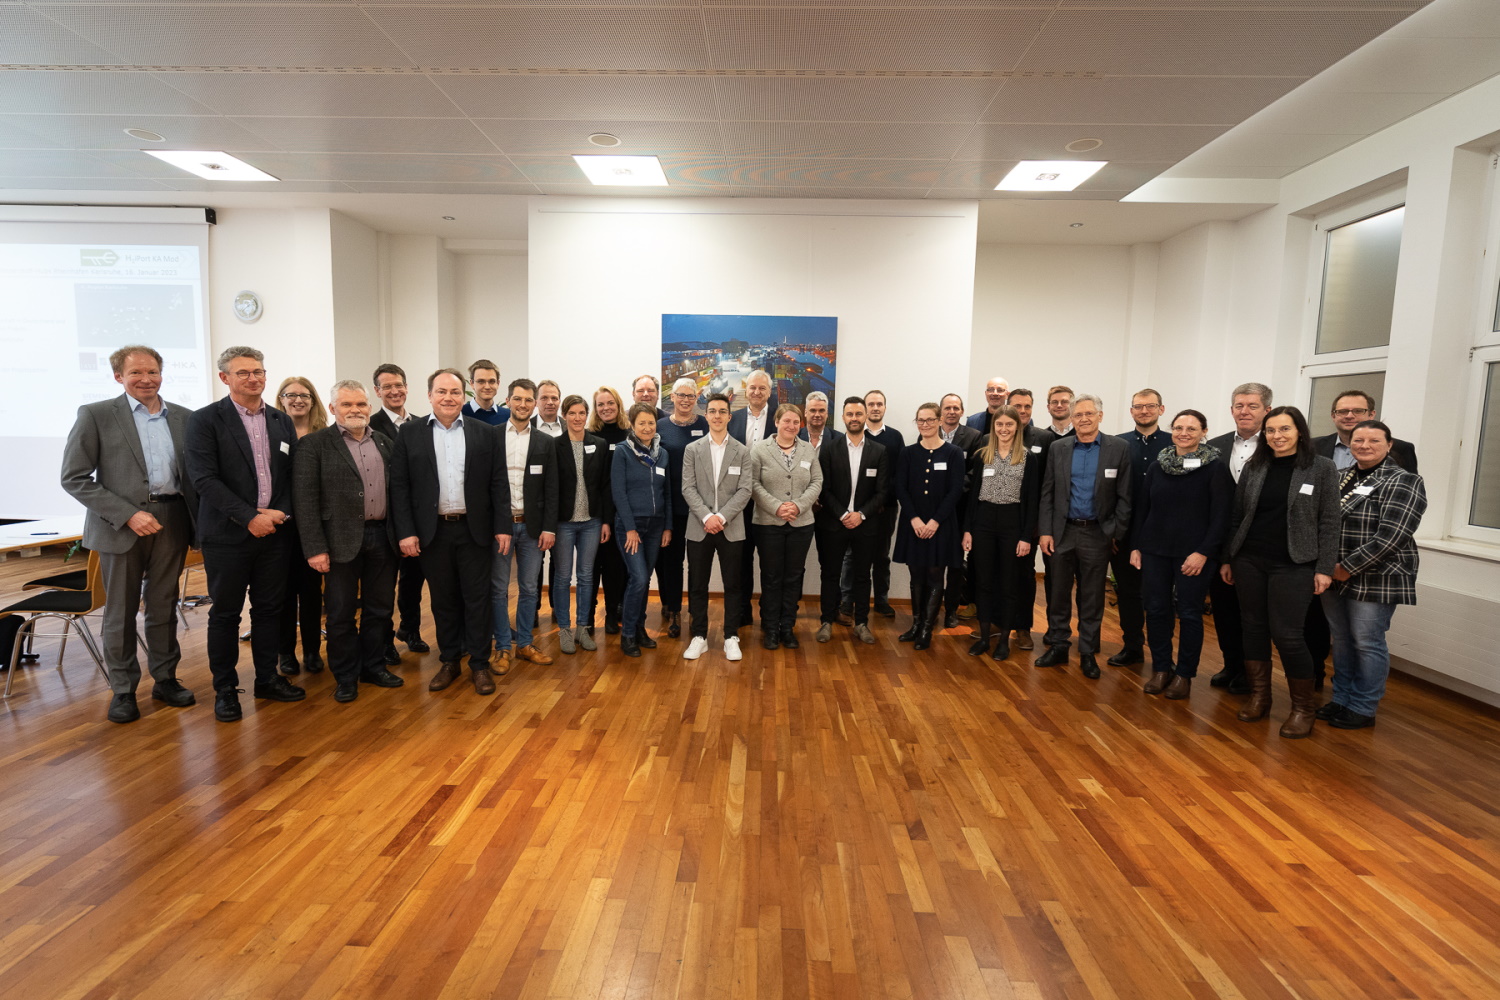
{"points": [[1361, 661], [581, 537], [638, 567], [528, 582], [1166, 593]]}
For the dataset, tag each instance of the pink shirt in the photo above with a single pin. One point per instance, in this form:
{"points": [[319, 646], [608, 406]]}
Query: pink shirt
{"points": [[260, 450]]}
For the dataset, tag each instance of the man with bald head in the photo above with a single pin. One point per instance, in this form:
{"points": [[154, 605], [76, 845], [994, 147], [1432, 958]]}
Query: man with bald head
{"points": [[995, 392]]}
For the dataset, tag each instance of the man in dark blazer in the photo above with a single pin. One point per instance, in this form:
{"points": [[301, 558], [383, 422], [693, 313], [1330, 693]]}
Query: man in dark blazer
{"points": [[388, 419], [815, 429], [124, 461], [451, 504], [856, 483], [959, 593], [750, 425], [529, 457], [1146, 440], [1350, 408], [1037, 441], [1085, 509], [239, 457], [996, 392], [894, 444], [951, 426], [341, 505]]}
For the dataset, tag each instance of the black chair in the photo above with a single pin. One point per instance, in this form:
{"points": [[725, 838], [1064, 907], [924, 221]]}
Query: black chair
{"points": [[70, 606]]}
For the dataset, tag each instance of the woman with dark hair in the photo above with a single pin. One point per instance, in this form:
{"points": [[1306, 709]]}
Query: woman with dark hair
{"points": [[785, 480], [1381, 506], [584, 511], [643, 511], [608, 421], [1283, 543], [929, 482], [1180, 514], [303, 606], [1005, 485]]}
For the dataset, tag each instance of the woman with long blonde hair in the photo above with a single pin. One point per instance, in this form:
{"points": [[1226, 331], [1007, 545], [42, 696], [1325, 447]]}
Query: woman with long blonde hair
{"points": [[298, 399]]}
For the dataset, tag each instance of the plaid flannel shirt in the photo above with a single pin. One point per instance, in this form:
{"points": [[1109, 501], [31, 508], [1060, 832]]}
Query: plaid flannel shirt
{"points": [[1375, 537]]}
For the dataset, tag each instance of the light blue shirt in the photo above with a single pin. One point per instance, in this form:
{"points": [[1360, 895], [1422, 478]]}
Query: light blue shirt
{"points": [[1342, 456], [156, 445], [449, 448]]}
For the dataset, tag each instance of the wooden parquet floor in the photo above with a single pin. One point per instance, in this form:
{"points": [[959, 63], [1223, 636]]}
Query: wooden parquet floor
{"points": [[834, 822]]}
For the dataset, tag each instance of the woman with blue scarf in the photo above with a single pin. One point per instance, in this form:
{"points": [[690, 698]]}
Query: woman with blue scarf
{"points": [[643, 511], [1181, 514]]}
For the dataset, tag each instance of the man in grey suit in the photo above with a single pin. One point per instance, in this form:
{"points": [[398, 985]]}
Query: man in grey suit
{"points": [[339, 497], [1085, 510], [716, 486], [124, 462]]}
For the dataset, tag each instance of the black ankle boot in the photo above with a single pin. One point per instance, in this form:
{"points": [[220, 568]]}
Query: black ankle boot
{"points": [[929, 618]]}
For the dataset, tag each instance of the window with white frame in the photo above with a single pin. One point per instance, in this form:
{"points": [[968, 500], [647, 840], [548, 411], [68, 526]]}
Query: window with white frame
{"points": [[1484, 499], [1476, 508]]}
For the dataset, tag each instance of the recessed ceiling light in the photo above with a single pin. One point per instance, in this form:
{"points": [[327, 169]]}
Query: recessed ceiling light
{"points": [[447, 218], [625, 171], [1083, 145], [210, 165], [604, 139], [145, 135], [1075, 225], [1049, 175]]}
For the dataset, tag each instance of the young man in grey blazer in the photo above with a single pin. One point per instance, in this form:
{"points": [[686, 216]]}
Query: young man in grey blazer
{"points": [[1085, 510], [124, 462], [716, 486]]}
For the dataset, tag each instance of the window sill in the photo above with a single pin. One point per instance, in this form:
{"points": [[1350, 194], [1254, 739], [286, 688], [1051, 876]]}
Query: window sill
{"points": [[1462, 547]]}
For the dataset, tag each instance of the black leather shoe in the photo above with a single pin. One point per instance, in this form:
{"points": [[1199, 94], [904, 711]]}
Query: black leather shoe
{"points": [[674, 625], [346, 691], [391, 656], [980, 647], [883, 608], [1088, 666], [645, 641], [1330, 711], [628, 646], [1225, 677], [414, 642], [288, 665], [381, 677], [789, 640], [1239, 685], [611, 628], [1055, 656], [313, 662], [770, 640], [1001, 650], [122, 708], [173, 693], [279, 689], [1351, 720], [227, 705], [950, 621], [1126, 657]]}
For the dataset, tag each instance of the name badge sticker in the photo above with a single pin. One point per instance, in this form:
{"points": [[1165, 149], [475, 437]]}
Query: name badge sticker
{"points": [[1192, 463], [696, 433], [611, 447], [1036, 449], [536, 470], [939, 466], [1111, 473], [870, 473], [988, 473], [589, 449], [1364, 491], [286, 449], [806, 465], [734, 470], [1307, 489], [660, 471]]}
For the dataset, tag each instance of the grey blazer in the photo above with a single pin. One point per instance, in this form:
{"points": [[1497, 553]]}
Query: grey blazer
{"points": [[728, 497], [1312, 518], [104, 469], [1112, 485], [773, 485]]}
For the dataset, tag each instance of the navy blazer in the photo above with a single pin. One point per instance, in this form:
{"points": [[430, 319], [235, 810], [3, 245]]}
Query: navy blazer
{"points": [[1403, 453], [870, 492], [413, 479], [737, 423], [222, 469], [538, 480]]}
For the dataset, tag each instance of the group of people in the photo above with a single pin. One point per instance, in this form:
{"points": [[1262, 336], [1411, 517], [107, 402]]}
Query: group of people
{"points": [[353, 518]]}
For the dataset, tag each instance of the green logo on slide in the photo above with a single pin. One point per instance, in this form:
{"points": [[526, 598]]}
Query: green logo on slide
{"points": [[99, 258]]}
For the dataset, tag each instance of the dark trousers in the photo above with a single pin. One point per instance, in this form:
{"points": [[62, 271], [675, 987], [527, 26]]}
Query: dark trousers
{"points": [[409, 594], [835, 543], [303, 604], [458, 576], [1079, 562], [1226, 604], [1319, 640], [609, 573], [956, 588], [1000, 584], [880, 559], [1161, 579], [747, 572], [1273, 608], [1128, 597], [783, 559], [700, 556], [669, 569], [256, 566], [1026, 597], [363, 586], [638, 566]]}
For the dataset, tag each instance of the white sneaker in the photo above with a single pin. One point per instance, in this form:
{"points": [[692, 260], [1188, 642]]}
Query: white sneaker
{"points": [[732, 648], [696, 648]]}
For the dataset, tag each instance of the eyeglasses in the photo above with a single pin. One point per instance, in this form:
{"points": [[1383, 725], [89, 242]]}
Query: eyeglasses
{"points": [[927, 420], [298, 396], [243, 376], [1350, 413], [389, 386], [684, 395], [1145, 406]]}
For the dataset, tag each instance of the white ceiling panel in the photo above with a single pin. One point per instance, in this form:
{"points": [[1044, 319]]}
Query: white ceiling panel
{"points": [[187, 182], [27, 36], [396, 167], [232, 34], [622, 98], [1121, 142], [108, 131], [967, 40], [856, 193], [368, 135], [332, 95], [895, 174], [880, 99], [13, 135], [547, 37], [675, 191], [58, 164], [54, 183], [706, 170], [981, 176], [1203, 43], [1266, 149], [564, 138], [380, 187], [1202, 100], [56, 92], [862, 140]]}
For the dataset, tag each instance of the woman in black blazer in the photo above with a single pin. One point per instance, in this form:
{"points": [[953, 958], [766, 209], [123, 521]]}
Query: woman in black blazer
{"points": [[584, 512], [1180, 514], [1005, 486], [608, 422], [929, 539], [1283, 544]]}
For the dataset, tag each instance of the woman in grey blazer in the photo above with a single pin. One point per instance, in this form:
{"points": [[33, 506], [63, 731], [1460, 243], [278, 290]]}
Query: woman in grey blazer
{"points": [[785, 479], [1284, 541]]}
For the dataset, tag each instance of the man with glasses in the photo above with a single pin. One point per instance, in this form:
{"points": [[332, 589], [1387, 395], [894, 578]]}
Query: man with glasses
{"points": [[1146, 440], [682, 427], [1060, 407], [390, 389], [239, 457], [484, 377]]}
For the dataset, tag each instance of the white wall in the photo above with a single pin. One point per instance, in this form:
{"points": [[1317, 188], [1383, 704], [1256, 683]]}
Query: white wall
{"points": [[359, 343], [490, 313]]}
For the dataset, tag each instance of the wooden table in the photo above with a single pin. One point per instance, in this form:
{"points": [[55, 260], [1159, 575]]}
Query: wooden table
{"points": [[26, 538]]}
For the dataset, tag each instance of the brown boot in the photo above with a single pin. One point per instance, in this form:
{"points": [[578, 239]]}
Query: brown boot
{"points": [[1179, 689], [1258, 705], [447, 674], [1299, 725], [1158, 682]]}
